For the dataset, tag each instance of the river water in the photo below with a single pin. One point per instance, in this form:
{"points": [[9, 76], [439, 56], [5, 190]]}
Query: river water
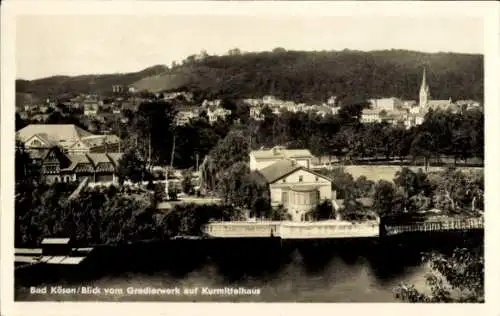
{"points": [[364, 270]]}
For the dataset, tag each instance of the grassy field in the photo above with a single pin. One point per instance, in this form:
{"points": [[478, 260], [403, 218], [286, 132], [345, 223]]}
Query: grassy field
{"points": [[387, 172]]}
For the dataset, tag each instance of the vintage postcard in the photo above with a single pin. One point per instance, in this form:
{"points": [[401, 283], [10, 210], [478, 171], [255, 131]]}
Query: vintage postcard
{"points": [[249, 152]]}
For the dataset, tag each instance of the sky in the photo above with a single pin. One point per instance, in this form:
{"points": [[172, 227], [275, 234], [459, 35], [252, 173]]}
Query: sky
{"points": [[97, 44]]}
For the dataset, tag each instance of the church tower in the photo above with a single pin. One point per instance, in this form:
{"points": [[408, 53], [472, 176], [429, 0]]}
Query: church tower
{"points": [[425, 94]]}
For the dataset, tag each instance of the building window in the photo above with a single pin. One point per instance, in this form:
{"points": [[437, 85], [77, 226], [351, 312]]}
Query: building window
{"points": [[284, 180], [284, 197], [317, 179], [36, 143], [301, 178]]}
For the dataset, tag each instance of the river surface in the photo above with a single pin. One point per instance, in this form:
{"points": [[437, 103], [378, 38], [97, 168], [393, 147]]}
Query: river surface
{"points": [[267, 270]]}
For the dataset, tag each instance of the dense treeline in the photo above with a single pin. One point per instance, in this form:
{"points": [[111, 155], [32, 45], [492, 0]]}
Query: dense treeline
{"points": [[295, 75], [443, 134], [410, 194], [103, 216], [315, 76]]}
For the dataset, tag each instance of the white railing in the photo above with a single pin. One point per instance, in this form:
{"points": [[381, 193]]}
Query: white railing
{"points": [[327, 230], [462, 224], [242, 229], [292, 230]]}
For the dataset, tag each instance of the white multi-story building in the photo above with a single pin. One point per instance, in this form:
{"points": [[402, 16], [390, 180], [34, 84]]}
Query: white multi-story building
{"points": [[297, 188], [216, 114], [387, 104], [185, 115], [260, 159], [370, 116], [256, 113]]}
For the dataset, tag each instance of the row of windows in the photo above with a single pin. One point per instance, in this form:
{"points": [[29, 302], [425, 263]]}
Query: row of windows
{"points": [[299, 199], [63, 179], [301, 179]]}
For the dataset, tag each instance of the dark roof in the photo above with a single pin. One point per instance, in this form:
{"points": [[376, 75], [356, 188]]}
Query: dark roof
{"points": [[279, 169], [285, 167], [77, 159], [98, 158]]}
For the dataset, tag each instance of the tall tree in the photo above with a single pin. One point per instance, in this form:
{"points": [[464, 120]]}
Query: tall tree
{"points": [[131, 166], [383, 198], [25, 169], [154, 123]]}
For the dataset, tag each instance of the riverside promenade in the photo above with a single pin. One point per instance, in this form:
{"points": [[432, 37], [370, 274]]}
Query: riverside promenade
{"points": [[292, 230], [332, 229]]}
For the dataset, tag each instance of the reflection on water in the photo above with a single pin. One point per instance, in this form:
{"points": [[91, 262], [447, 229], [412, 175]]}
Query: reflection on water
{"points": [[284, 271]]}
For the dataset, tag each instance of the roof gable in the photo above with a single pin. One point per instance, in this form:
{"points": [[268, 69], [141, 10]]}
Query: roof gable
{"points": [[42, 138], [301, 168]]}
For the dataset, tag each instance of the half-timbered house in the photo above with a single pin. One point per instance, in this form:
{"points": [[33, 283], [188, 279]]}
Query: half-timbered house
{"points": [[104, 168]]}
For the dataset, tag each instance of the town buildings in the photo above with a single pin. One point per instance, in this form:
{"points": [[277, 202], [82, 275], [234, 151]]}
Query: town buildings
{"points": [[260, 159], [186, 114], [387, 104], [67, 153], [371, 116], [215, 114], [57, 166], [90, 107]]}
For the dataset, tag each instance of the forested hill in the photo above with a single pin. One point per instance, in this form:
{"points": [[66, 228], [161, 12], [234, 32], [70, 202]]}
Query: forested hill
{"points": [[314, 76], [59, 85]]}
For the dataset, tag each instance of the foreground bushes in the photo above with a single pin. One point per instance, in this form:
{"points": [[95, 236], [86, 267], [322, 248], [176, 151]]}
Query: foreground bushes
{"points": [[104, 216]]}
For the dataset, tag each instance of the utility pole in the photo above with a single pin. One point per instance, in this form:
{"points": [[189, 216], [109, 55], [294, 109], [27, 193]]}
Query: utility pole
{"points": [[172, 153], [166, 169]]}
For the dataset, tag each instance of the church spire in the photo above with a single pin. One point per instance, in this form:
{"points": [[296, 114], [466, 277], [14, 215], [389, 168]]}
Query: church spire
{"points": [[424, 81], [424, 91]]}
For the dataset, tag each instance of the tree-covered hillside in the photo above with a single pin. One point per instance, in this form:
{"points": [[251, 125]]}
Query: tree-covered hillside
{"points": [[297, 75], [60, 85], [314, 76]]}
